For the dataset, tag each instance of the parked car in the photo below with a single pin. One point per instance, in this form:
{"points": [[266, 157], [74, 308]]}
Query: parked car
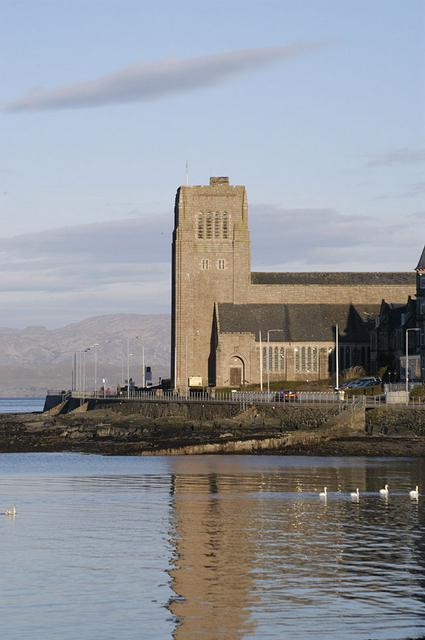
{"points": [[285, 395], [360, 383]]}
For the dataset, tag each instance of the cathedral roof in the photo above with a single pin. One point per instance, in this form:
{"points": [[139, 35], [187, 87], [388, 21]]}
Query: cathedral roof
{"points": [[337, 277], [298, 322], [421, 263]]}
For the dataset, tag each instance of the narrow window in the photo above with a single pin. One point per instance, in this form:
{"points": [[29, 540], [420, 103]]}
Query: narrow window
{"points": [[209, 226], [270, 363], [225, 226], [303, 363], [217, 225], [276, 359], [309, 359], [221, 264], [282, 359], [200, 226], [264, 358], [297, 359], [315, 352], [205, 264]]}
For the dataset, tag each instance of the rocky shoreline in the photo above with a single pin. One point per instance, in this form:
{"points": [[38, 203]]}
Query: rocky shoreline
{"points": [[279, 430]]}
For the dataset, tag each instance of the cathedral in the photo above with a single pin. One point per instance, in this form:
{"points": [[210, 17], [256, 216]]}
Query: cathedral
{"points": [[232, 327]]}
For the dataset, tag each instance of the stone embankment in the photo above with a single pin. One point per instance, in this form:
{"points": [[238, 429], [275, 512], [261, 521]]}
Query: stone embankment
{"points": [[162, 428]]}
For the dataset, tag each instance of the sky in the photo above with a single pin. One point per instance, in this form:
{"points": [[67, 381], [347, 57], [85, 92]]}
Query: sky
{"points": [[317, 106]]}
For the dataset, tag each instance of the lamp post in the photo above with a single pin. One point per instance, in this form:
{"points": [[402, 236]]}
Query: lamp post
{"points": [[186, 384], [94, 347], [128, 366], [337, 357], [261, 363], [269, 331], [143, 362], [407, 356]]}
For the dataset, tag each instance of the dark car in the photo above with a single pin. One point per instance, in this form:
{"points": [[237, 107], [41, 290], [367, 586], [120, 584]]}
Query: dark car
{"points": [[285, 395]]}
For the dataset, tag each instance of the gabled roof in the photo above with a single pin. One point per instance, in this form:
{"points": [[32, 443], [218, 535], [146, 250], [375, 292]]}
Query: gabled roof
{"points": [[421, 263], [298, 322], [334, 278]]}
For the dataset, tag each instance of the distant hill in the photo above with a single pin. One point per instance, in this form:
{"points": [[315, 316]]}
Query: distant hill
{"points": [[35, 358]]}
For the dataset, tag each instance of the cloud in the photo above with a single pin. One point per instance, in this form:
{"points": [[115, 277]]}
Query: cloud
{"points": [[146, 81], [417, 189], [62, 275], [327, 240], [400, 156]]}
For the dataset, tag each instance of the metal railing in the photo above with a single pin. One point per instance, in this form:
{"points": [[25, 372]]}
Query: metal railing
{"points": [[243, 398], [238, 397]]}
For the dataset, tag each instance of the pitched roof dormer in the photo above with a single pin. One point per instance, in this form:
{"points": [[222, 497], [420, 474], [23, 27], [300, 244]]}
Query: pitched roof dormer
{"points": [[421, 263]]}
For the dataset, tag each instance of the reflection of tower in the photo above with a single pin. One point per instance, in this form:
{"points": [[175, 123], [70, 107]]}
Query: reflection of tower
{"points": [[212, 573], [255, 547]]}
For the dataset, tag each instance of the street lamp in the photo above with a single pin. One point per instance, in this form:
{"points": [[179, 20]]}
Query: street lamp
{"points": [[337, 357], [407, 356], [261, 362], [94, 347], [128, 366], [269, 331], [143, 362]]}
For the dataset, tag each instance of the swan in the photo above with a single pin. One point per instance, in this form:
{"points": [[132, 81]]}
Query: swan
{"points": [[324, 493], [355, 494], [384, 491], [10, 512], [415, 493]]}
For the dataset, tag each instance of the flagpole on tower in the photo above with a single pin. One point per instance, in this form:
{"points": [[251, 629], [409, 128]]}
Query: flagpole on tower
{"points": [[187, 173]]}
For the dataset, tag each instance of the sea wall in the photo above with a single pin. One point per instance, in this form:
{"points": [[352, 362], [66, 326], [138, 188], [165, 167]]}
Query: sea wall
{"points": [[394, 421]]}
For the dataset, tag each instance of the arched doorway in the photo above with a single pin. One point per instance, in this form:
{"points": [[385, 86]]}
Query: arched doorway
{"points": [[236, 371]]}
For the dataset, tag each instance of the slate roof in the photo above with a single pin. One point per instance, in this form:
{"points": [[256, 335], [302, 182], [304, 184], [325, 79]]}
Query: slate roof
{"points": [[341, 277], [421, 263], [299, 322]]}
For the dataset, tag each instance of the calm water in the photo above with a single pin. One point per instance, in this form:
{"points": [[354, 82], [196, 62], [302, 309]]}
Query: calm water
{"points": [[210, 548], [21, 405]]}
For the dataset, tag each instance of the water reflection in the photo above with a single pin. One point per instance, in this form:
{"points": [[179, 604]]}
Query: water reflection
{"points": [[235, 547], [258, 554]]}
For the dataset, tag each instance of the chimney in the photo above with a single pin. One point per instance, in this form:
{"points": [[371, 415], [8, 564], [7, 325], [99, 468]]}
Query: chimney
{"points": [[216, 181]]}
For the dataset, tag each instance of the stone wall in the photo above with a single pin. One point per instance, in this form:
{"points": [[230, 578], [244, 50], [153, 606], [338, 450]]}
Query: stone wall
{"points": [[395, 421]]}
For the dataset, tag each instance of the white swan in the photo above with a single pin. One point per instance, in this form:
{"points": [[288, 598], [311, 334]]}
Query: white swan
{"points": [[414, 494], [355, 495], [384, 492], [10, 512], [324, 493]]}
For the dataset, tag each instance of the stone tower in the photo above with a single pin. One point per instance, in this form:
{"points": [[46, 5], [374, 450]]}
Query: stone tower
{"points": [[211, 261]]}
